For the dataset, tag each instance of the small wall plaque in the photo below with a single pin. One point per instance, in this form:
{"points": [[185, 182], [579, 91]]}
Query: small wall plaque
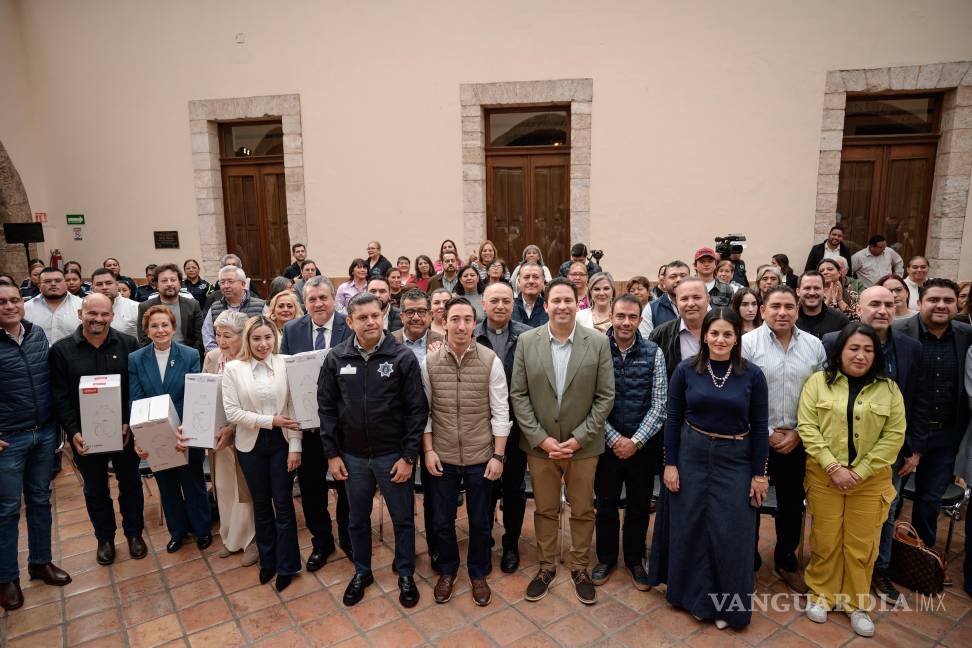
{"points": [[166, 240]]}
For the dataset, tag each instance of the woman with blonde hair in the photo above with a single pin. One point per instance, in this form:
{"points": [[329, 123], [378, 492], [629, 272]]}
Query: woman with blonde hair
{"points": [[284, 307], [256, 398], [600, 295], [233, 501]]}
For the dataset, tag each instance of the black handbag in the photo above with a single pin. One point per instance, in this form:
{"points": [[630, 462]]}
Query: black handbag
{"points": [[913, 564]]}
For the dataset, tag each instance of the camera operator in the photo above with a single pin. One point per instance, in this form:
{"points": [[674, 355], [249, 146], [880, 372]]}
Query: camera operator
{"points": [[738, 265], [578, 252]]}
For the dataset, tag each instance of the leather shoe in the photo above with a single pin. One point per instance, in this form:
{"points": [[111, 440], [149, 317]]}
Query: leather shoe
{"points": [[106, 552], [49, 573], [203, 542], [355, 589], [408, 594], [318, 558], [136, 547], [11, 596], [792, 579], [510, 561], [481, 592], [442, 591], [174, 545], [266, 573], [601, 573]]}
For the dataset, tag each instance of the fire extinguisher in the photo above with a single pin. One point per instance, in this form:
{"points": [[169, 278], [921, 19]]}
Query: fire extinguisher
{"points": [[56, 259]]}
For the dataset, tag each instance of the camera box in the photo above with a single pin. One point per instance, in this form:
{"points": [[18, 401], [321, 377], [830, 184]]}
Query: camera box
{"points": [[100, 400], [202, 410], [154, 423], [303, 372]]}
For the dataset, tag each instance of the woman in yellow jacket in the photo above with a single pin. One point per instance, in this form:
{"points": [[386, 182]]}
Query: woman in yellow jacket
{"points": [[852, 423]]}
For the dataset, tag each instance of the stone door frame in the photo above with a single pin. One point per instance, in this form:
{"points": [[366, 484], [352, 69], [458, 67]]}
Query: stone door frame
{"points": [[953, 162], [474, 98], [204, 118]]}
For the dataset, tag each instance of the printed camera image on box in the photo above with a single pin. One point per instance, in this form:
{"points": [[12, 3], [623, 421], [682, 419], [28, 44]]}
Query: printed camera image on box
{"points": [[303, 370], [202, 410], [155, 422], [100, 400]]}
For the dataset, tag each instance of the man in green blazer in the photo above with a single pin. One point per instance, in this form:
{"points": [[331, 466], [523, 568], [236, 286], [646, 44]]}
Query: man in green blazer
{"points": [[562, 392]]}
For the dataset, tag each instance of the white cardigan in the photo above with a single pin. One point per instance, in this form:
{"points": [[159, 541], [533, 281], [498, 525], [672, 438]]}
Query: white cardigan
{"points": [[241, 409]]}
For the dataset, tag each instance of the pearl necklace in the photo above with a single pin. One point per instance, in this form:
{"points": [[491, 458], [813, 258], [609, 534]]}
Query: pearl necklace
{"points": [[718, 382]]}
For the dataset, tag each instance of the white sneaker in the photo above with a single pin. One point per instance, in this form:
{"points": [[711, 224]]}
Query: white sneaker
{"points": [[816, 613], [861, 623], [720, 624]]}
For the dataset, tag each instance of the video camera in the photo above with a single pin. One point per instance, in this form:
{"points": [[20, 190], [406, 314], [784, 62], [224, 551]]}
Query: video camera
{"points": [[597, 255], [724, 244]]}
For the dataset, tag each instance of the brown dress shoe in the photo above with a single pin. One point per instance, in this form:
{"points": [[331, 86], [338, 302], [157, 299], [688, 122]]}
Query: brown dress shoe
{"points": [[792, 579], [11, 597], [106, 552], [443, 588], [136, 547], [49, 573], [481, 592]]}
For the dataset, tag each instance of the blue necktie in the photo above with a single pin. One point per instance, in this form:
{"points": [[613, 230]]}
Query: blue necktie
{"points": [[319, 341]]}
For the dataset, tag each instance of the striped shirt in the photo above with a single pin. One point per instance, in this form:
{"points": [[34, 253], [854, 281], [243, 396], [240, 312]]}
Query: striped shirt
{"points": [[785, 371]]}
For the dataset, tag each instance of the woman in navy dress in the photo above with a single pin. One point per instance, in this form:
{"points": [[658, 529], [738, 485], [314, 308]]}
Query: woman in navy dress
{"points": [[716, 449]]}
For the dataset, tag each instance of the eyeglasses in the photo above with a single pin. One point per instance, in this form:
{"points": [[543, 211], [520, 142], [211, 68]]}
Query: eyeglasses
{"points": [[412, 312]]}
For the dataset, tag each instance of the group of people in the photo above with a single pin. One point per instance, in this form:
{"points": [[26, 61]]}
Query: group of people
{"points": [[463, 375]]}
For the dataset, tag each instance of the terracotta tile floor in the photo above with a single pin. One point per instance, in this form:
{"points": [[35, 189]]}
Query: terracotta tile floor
{"points": [[196, 599]]}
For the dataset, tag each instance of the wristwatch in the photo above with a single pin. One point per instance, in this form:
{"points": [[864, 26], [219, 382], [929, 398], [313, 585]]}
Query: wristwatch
{"points": [[499, 457], [410, 460]]}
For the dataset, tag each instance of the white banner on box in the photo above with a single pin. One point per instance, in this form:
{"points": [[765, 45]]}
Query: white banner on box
{"points": [[155, 422], [100, 400], [202, 411], [303, 371]]}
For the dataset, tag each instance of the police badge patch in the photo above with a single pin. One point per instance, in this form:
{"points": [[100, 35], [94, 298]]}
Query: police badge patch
{"points": [[385, 369]]}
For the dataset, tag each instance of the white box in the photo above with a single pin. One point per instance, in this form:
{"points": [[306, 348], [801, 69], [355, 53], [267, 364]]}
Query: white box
{"points": [[303, 372], [155, 422], [100, 400], [202, 411]]}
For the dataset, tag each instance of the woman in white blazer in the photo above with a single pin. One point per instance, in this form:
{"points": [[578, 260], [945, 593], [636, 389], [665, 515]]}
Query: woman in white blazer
{"points": [[268, 445]]}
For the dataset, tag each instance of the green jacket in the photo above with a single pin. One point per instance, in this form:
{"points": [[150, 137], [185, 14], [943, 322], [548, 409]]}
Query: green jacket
{"points": [[588, 393], [879, 423]]}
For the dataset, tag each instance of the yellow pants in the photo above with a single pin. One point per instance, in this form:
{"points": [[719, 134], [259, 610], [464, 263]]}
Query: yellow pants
{"points": [[845, 533]]}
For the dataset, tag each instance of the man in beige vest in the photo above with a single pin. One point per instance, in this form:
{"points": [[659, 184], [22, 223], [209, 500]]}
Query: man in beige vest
{"points": [[464, 445], [562, 393]]}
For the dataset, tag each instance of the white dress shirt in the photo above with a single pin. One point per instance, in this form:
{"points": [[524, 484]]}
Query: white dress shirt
{"points": [[126, 315], [785, 371], [869, 268], [265, 397], [328, 329], [58, 323], [688, 344], [831, 254], [560, 356], [499, 403]]}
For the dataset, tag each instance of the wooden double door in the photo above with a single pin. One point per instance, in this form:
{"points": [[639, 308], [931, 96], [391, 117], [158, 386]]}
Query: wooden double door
{"points": [[255, 204], [528, 202], [886, 189]]}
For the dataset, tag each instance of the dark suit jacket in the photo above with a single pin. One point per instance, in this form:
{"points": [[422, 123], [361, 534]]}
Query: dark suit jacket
{"points": [[298, 334], [963, 339], [817, 252], [907, 354], [190, 326], [144, 380]]}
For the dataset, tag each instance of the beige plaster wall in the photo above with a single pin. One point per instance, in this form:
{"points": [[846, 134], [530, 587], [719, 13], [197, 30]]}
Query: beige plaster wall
{"points": [[706, 116]]}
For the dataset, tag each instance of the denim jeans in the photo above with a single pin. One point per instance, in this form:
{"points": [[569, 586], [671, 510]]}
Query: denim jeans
{"points": [[97, 494], [364, 475], [887, 531], [272, 490], [26, 466], [444, 491], [184, 498], [933, 476]]}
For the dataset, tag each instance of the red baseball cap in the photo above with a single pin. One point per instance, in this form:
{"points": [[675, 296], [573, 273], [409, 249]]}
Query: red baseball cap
{"points": [[705, 252]]}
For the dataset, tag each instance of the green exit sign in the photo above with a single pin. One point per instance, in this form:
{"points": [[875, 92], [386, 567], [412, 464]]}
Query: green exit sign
{"points": [[75, 219]]}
